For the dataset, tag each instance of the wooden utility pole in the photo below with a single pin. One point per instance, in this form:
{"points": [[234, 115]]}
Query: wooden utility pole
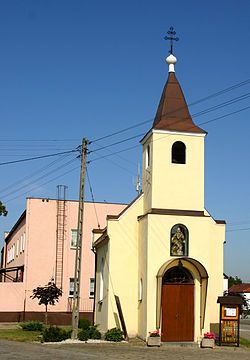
{"points": [[78, 258]]}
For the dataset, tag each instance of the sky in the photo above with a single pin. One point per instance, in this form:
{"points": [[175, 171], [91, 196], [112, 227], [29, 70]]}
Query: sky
{"points": [[71, 69]]}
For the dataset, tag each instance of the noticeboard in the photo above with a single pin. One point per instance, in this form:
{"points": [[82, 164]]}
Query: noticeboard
{"points": [[229, 320]]}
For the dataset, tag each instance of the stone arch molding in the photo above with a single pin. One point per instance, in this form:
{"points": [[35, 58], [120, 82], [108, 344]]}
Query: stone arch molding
{"points": [[198, 271]]}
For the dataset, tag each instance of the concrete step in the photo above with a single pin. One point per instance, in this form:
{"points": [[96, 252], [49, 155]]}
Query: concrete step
{"points": [[181, 344]]}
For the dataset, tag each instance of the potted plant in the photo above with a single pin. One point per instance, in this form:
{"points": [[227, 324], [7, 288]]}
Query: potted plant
{"points": [[208, 340], [154, 338]]}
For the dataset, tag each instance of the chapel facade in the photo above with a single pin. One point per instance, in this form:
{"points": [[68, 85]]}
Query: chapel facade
{"points": [[162, 256]]}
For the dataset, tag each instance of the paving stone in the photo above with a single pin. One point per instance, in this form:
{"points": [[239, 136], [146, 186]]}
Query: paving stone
{"points": [[12, 350]]}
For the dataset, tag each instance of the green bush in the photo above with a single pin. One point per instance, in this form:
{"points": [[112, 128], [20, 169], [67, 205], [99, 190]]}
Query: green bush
{"points": [[84, 324], [55, 334], [114, 335], [94, 333], [32, 326], [90, 333], [83, 335]]}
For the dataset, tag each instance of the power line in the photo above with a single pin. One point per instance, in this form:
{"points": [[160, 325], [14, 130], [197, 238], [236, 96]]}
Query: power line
{"points": [[233, 230], [213, 108], [34, 173], [92, 197], [114, 153], [233, 87], [45, 183], [39, 178], [116, 143], [37, 140], [223, 116], [229, 102], [237, 223], [219, 106], [38, 157], [216, 107], [136, 136]]}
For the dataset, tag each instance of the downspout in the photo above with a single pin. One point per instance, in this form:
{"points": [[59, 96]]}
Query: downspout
{"points": [[94, 303], [158, 301]]}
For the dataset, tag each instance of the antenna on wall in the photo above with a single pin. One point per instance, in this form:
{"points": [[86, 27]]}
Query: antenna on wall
{"points": [[137, 181]]}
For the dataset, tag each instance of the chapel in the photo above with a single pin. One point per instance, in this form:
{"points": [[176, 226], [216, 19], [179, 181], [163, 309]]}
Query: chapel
{"points": [[159, 263]]}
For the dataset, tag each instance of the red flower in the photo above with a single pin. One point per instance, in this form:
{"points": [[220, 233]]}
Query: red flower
{"points": [[210, 335], [155, 333]]}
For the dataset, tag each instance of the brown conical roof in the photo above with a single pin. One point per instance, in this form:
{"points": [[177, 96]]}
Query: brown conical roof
{"points": [[172, 113]]}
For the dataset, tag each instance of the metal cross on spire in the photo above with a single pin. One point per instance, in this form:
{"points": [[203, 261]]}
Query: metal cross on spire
{"points": [[171, 32]]}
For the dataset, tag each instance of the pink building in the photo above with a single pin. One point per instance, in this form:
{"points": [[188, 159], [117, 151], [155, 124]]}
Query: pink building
{"points": [[41, 246]]}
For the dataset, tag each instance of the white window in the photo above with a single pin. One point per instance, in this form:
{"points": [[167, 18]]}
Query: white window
{"points": [[140, 290], [21, 244], [17, 247], [71, 286], [13, 251], [24, 237], [91, 287], [73, 238], [147, 159], [101, 281]]}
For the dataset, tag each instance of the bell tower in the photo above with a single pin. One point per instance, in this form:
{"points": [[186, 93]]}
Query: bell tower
{"points": [[173, 153]]}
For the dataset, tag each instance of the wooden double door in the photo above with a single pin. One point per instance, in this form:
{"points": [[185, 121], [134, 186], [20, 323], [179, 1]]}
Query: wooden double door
{"points": [[177, 312]]}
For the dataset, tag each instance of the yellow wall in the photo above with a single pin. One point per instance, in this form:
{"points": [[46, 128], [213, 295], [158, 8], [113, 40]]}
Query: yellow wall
{"points": [[143, 274], [122, 270], [173, 186], [102, 302], [139, 247], [205, 245]]}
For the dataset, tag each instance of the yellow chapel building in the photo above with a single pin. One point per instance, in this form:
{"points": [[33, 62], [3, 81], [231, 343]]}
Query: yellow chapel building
{"points": [[162, 256]]}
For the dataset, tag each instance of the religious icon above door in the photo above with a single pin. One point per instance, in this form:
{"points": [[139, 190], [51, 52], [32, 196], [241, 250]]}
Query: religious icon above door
{"points": [[179, 240]]}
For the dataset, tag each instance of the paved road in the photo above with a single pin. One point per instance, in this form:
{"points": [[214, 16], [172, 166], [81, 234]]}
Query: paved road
{"points": [[245, 328], [19, 351]]}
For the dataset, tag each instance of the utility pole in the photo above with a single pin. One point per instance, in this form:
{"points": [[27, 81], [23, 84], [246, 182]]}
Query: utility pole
{"points": [[78, 258]]}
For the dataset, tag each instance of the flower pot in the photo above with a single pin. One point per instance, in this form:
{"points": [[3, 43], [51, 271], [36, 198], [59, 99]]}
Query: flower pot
{"points": [[207, 343], [154, 341]]}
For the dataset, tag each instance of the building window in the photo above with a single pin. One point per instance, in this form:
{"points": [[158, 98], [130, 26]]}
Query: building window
{"points": [[91, 287], [17, 247], [101, 281], [179, 240], [140, 290], [178, 274], [179, 153], [73, 238], [23, 242], [147, 158], [71, 286]]}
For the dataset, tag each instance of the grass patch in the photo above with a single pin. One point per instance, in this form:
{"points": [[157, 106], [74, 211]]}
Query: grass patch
{"points": [[20, 335], [244, 342]]}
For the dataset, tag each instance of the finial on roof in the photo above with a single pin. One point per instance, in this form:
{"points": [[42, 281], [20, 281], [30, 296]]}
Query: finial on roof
{"points": [[171, 59], [171, 32]]}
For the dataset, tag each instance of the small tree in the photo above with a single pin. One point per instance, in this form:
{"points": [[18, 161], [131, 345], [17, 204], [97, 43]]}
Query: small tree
{"points": [[234, 281], [3, 210], [47, 295]]}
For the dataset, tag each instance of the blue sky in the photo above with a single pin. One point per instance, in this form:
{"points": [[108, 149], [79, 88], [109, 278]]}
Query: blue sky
{"points": [[73, 69]]}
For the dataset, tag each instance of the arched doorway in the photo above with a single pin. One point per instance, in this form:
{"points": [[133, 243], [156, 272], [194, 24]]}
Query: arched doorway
{"points": [[177, 305]]}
